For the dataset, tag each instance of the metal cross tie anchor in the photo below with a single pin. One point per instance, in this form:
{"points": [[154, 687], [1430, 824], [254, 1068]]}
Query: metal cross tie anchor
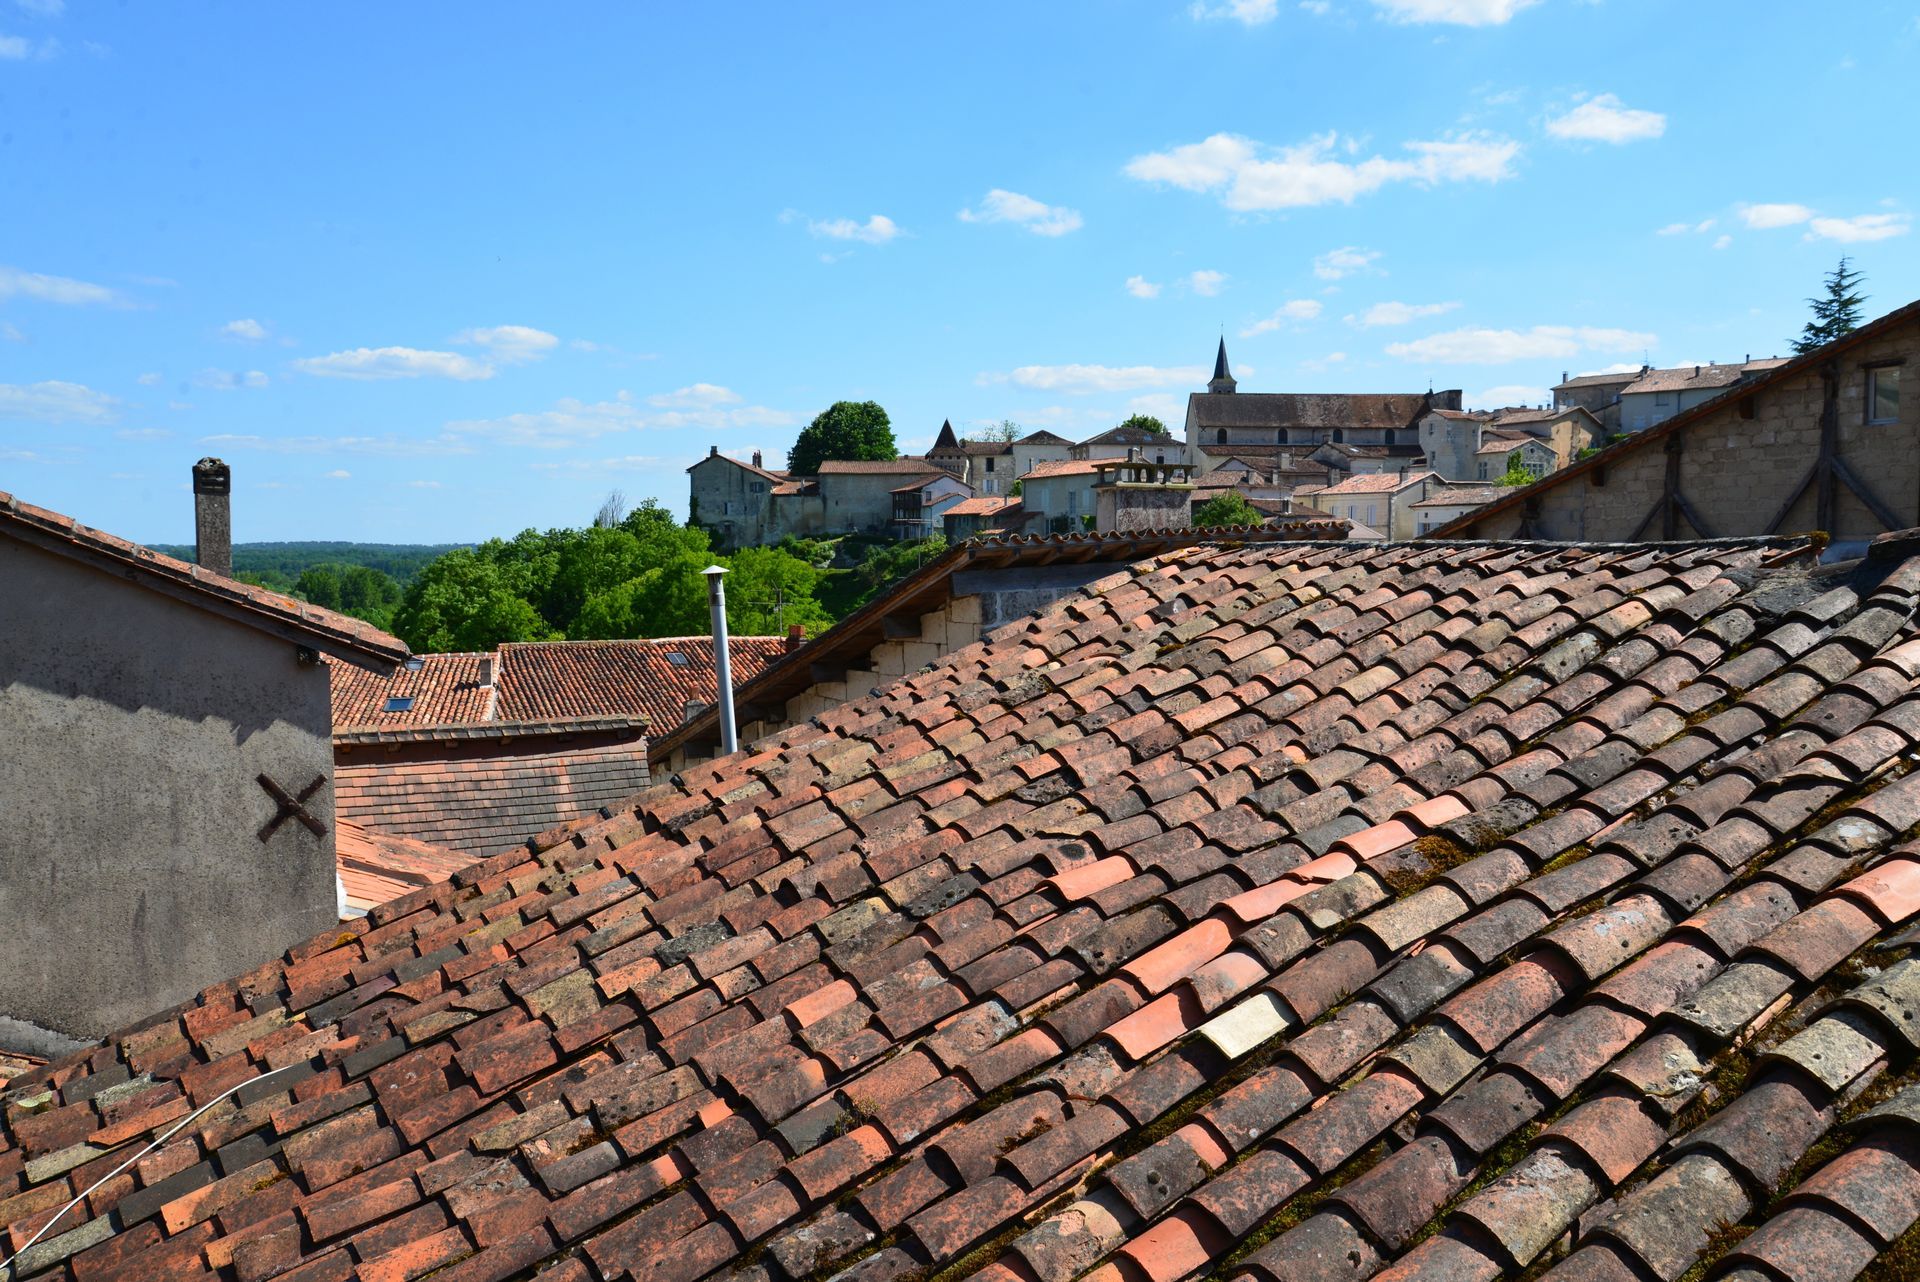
{"points": [[292, 807]]}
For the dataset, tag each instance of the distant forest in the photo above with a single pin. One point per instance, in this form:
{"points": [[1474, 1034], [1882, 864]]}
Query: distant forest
{"points": [[280, 565]]}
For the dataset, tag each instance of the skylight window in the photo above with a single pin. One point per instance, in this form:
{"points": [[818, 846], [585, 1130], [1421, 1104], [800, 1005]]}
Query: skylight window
{"points": [[414, 663], [677, 659], [400, 703]]}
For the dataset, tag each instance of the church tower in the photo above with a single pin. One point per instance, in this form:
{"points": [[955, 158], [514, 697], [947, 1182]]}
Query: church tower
{"points": [[947, 452], [1222, 380]]}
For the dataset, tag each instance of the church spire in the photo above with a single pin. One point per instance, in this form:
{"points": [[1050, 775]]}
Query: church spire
{"points": [[946, 440], [1222, 380]]}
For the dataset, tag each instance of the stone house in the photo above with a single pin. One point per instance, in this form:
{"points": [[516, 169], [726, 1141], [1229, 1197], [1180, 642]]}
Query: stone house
{"points": [[1450, 439], [1058, 497], [1039, 447], [1224, 416], [990, 469], [1566, 431], [734, 501], [1659, 394], [949, 452], [1115, 442], [1824, 442], [1495, 458], [1598, 394], [166, 770], [920, 506], [985, 514], [856, 496], [1448, 503], [1381, 501]]}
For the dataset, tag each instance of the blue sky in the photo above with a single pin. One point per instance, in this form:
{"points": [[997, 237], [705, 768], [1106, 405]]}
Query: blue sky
{"points": [[437, 272]]}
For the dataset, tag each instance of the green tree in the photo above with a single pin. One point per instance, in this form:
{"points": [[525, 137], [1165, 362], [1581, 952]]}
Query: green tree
{"points": [[1147, 423], [845, 430], [464, 601], [887, 562], [1230, 508], [1837, 313], [358, 590], [768, 591], [1006, 430], [667, 600], [1516, 473]]}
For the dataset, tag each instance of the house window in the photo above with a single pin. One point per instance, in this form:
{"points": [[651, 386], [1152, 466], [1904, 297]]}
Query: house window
{"points": [[989, 484], [1220, 437], [1660, 399], [1483, 470], [399, 703], [1387, 437], [1883, 394], [989, 462], [1339, 436]]}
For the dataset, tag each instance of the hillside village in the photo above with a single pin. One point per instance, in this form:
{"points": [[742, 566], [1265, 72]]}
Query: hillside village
{"points": [[1460, 826], [1392, 466]]}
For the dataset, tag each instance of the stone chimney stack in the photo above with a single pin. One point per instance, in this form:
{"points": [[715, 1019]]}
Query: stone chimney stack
{"points": [[756, 459], [212, 516]]}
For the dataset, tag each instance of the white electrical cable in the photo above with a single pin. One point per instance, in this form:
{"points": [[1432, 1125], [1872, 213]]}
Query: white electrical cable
{"points": [[189, 1120]]}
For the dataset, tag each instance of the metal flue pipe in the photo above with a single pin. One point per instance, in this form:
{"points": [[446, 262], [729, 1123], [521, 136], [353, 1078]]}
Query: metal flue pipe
{"points": [[722, 660]]}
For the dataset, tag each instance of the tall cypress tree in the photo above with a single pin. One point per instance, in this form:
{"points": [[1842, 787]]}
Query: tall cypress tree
{"points": [[1835, 315]]}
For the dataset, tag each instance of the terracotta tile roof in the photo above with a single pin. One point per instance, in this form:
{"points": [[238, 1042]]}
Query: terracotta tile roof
{"points": [[339, 635], [486, 802], [1687, 378], [1374, 483], [548, 683], [873, 467], [556, 680], [1065, 467], [1129, 436], [1305, 410], [983, 505], [1471, 416], [1269, 912], [1043, 437], [375, 867], [1455, 495]]}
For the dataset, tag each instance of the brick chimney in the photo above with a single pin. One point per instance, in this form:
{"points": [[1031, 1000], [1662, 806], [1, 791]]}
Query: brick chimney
{"points": [[212, 516], [795, 635]]}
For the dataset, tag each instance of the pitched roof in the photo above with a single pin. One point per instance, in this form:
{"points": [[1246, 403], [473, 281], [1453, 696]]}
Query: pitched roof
{"points": [[1771, 376], [544, 684], [946, 440], [1127, 436], [1602, 380], [1043, 437], [1504, 444], [1688, 378], [339, 635], [480, 803], [1307, 409], [768, 473], [1063, 467], [983, 505], [1413, 912], [1471, 416], [978, 449], [376, 867], [1456, 495], [1375, 483], [879, 467]]}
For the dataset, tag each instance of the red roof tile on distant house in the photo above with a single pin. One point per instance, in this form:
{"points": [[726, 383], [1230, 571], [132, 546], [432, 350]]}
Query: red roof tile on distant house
{"points": [[339, 635], [1370, 483], [983, 505], [1066, 467], [436, 689], [653, 677], [376, 867], [1265, 912]]}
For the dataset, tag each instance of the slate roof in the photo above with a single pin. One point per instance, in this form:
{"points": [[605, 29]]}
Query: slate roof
{"points": [[1621, 377], [983, 448], [1128, 436], [339, 635], [547, 682], [1317, 409], [1272, 912], [1044, 437], [1688, 378]]}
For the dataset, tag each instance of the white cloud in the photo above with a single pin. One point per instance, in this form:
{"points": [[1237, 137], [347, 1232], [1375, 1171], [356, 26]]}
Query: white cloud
{"points": [[1165, 406], [877, 230], [1141, 287], [151, 379], [11, 334], [43, 8], [1400, 313], [1765, 217], [1251, 176], [1207, 283], [143, 434], [600, 466], [1251, 13], [698, 396], [1001, 206], [338, 474], [53, 289], [1464, 13], [1512, 394], [56, 402], [703, 405], [1681, 229], [1722, 241], [424, 485], [1606, 119], [249, 329], [1080, 380], [14, 48], [1297, 309], [1498, 346], [1860, 227], [395, 362], [1348, 260], [508, 344], [1324, 362], [226, 380]]}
